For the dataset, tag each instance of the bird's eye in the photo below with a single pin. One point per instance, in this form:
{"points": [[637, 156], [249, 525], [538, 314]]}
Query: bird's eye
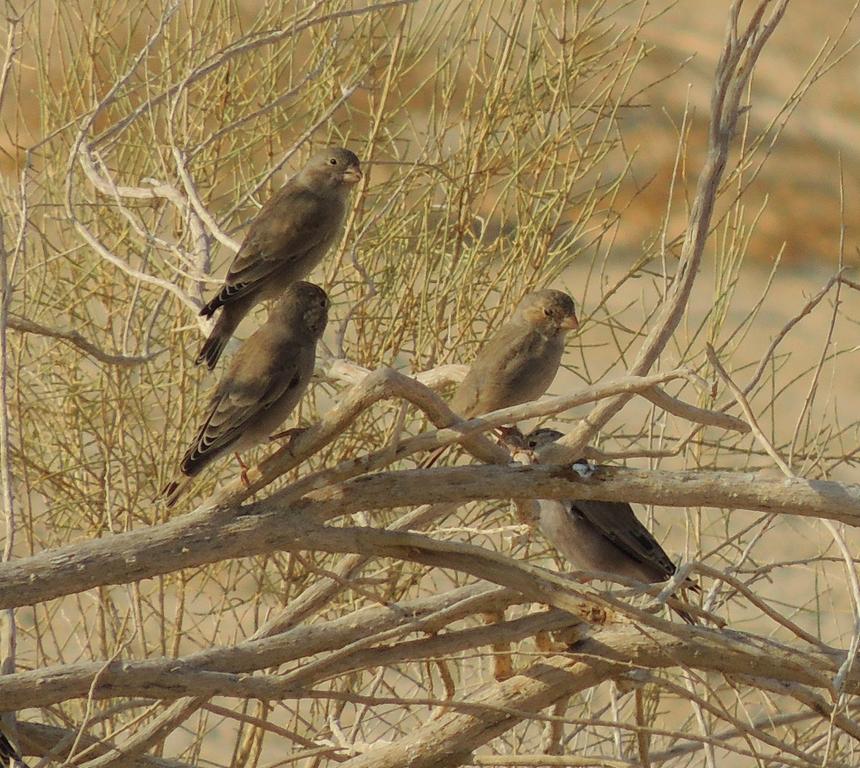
{"points": [[332, 161], [548, 312]]}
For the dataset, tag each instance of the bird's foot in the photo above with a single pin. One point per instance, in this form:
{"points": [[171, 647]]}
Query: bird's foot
{"points": [[288, 434], [243, 475]]}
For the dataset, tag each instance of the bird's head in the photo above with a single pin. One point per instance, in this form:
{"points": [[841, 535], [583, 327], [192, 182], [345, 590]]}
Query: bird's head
{"points": [[538, 438], [333, 169], [543, 436], [304, 305], [549, 311]]}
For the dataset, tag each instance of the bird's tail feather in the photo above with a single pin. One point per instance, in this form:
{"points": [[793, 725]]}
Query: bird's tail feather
{"points": [[171, 492], [212, 305], [212, 348]]}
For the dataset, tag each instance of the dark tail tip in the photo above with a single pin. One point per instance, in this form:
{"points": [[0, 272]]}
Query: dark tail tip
{"points": [[211, 349], [209, 308], [168, 494]]}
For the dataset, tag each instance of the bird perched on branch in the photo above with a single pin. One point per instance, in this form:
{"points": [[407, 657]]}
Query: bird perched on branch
{"points": [[286, 240], [603, 535], [264, 382], [520, 361]]}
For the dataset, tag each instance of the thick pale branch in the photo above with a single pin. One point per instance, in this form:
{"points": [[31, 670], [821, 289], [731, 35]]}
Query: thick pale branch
{"points": [[339, 369], [202, 537], [173, 677], [388, 383], [42, 740], [168, 679], [604, 653]]}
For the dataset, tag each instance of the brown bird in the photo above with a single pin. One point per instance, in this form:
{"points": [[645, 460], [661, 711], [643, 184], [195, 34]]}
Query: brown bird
{"points": [[265, 381], [286, 240], [603, 535], [520, 361]]}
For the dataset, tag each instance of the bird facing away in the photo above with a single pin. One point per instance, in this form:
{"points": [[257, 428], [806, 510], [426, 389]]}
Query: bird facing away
{"points": [[286, 240], [265, 381], [520, 361], [602, 535]]}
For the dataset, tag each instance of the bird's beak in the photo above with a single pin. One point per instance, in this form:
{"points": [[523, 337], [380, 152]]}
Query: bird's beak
{"points": [[570, 323], [352, 175]]}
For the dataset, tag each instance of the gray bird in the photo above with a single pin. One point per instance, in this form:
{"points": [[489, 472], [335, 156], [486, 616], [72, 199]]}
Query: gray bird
{"points": [[603, 535], [286, 240], [265, 381], [520, 361]]}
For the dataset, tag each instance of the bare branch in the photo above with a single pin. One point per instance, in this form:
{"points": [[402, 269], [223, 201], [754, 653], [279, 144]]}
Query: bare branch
{"points": [[602, 654], [77, 340], [734, 70], [205, 537]]}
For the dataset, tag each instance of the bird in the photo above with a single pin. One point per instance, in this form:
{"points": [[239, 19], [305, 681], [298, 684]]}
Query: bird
{"points": [[603, 535], [520, 361], [285, 241], [265, 381]]}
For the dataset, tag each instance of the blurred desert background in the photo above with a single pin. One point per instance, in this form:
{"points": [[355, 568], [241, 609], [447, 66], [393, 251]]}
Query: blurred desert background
{"points": [[441, 280], [798, 190]]}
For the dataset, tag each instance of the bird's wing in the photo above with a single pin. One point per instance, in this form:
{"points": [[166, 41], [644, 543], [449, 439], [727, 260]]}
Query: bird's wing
{"points": [[245, 396], [496, 376], [619, 524], [291, 224]]}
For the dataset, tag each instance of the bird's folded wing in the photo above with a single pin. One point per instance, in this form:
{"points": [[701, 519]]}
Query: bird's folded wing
{"points": [[237, 405], [619, 524], [290, 225], [491, 383]]}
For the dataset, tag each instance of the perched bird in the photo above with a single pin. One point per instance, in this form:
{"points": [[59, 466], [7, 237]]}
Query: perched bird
{"points": [[286, 240], [264, 382], [603, 535], [520, 361]]}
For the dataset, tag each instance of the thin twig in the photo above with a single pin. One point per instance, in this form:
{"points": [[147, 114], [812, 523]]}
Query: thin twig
{"points": [[77, 340]]}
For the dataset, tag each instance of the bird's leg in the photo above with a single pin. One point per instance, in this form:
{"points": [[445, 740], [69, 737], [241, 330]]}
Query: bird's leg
{"points": [[503, 665], [244, 475], [292, 434]]}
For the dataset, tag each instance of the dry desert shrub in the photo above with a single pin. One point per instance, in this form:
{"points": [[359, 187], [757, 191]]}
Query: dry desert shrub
{"points": [[347, 608]]}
